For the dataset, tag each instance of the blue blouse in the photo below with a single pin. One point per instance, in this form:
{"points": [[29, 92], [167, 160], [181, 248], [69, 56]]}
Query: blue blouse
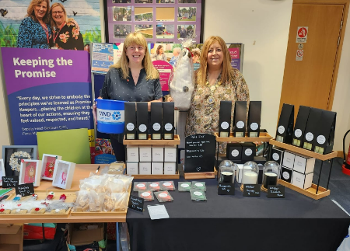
{"points": [[32, 35]]}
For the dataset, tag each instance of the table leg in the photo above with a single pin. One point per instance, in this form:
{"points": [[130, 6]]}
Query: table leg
{"points": [[330, 171], [117, 237]]}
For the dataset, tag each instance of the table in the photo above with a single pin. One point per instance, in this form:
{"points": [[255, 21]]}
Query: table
{"points": [[228, 222]]}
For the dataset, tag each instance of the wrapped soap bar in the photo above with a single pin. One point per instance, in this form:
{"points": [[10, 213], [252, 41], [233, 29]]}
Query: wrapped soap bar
{"points": [[163, 196]]}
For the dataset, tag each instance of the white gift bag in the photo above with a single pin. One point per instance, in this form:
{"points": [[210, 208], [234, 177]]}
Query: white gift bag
{"points": [[345, 245]]}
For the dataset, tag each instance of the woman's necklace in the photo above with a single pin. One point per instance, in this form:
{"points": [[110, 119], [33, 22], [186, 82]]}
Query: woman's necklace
{"points": [[213, 88]]}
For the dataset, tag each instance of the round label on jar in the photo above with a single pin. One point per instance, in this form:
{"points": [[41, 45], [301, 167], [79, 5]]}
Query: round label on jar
{"points": [[167, 184], [156, 126], [286, 175], [168, 127], [197, 193], [140, 185], [130, 126], [298, 133], [281, 129], [154, 185], [309, 136], [240, 124], [276, 156], [163, 195], [248, 152], [198, 184], [224, 125], [235, 153], [254, 126], [142, 128], [184, 185], [145, 194], [321, 139]]}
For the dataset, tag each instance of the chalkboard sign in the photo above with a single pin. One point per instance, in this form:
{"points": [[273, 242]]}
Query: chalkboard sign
{"points": [[25, 189], [251, 190], [9, 181], [276, 191], [136, 203], [226, 189], [199, 153]]}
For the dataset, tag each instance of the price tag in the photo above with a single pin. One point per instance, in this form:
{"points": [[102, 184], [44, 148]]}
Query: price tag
{"points": [[136, 203], [251, 190], [25, 189], [276, 191], [9, 181], [226, 189]]}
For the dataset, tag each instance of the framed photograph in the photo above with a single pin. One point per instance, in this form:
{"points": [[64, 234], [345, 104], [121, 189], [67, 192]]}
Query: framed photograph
{"points": [[30, 172], [13, 155], [63, 174], [48, 162], [2, 170]]}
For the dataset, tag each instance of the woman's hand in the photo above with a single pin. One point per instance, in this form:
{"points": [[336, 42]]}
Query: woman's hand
{"points": [[94, 111]]}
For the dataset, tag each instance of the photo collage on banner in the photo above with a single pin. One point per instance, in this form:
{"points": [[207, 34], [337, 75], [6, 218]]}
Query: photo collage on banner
{"points": [[158, 20]]}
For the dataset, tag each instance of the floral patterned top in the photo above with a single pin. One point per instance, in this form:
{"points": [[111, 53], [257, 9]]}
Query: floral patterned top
{"points": [[68, 38], [203, 116]]}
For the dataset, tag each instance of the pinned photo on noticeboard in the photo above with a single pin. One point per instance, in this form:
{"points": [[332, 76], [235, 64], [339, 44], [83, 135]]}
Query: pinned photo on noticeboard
{"points": [[186, 14], [121, 30], [122, 13], [143, 14], [145, 29]]}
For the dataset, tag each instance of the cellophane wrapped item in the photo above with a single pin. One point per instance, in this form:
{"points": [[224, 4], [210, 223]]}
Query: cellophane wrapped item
{"points": [[182, 79]]}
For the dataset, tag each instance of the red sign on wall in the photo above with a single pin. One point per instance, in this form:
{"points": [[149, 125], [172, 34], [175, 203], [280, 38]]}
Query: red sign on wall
{"points": [[302, 34]]}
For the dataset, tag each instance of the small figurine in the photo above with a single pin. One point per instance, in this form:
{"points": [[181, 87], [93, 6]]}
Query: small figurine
{"points": [[17, 197], [50, 196], [63, 197]]}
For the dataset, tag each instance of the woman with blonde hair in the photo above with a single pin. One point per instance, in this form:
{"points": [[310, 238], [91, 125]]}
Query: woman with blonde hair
{"points": [[66, 34], [35, 30], [133, 78], [216, 80]]}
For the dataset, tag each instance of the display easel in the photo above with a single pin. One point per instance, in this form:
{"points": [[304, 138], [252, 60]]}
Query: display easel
{"points": [[315, 192]]}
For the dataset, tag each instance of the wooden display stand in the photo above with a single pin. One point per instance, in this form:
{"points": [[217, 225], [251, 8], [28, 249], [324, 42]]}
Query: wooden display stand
{"points": [[315, 192], [264, 137], [200, 175], [151, 142]]}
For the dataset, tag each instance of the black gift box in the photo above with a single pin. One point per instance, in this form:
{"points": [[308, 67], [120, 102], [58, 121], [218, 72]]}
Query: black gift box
{"points": [[234, 151], [240, 119], [312, 125], [300, 125], [130, 120], [324, 138], [225, 118], [284, 131], [156, 120], [142, 120], [248, 151], [254, 117], [286, 174], [277, 155], [168, 120]]}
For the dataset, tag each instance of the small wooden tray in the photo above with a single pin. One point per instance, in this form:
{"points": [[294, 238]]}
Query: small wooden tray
{"points": [[200, 175], [156, 176], [264, 137], [310, 192], [150, 142], [304, 151]]}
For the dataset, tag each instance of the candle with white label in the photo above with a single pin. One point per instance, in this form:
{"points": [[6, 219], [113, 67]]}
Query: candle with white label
{"points": [[270, 179], [249, 177]]}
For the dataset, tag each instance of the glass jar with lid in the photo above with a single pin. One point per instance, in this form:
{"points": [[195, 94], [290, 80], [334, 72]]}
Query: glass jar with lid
{"points": [[271, 173], [250, 173], [227, 170]]}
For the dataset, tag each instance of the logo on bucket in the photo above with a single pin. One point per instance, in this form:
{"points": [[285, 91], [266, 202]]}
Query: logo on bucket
{"points": [[110, 116]]}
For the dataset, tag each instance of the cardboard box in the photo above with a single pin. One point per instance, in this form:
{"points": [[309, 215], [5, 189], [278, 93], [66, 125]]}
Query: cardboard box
{"points": [[157, 168], [132, 168], [234, 151], [300, 125], [168, 120], [169, 168], [240, 119], [312, 125], [85, 233], [248, 151], [286, 174], [277, 155], [304, 181], [142, 120], [156, 120], [284, 131], [254, 117], [157, 153], [145, 168], [130, 120], [170, 154], [225, 118], [324, 138], [132, 153], [288, 159], [303, 164], [145, 153], [11, 237]]}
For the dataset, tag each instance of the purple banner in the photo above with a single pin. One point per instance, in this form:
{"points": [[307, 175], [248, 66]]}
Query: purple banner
{"points": [[47, 90]]}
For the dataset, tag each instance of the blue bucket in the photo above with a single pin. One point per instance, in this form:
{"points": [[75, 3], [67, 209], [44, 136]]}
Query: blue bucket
{"points": [[110, 116]]}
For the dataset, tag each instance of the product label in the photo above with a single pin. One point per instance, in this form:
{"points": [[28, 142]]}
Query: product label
{"points": [[321, 139], [167, 184], [254, 126], [298, 133], [163, 195], [235, 153], [281, 129], [156, 126], [140, 185], [197, 193], [130, 126], [153, 184], [198, 184], [276, 156], [168, 127], [110, 116], [309, 136], [146, 194], [240, 124], [286, 175], [248, 152], [142, 128], [224, 125], [184, 185]]}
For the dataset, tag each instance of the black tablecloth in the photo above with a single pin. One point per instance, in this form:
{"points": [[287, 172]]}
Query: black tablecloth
{"points": [[226, 222]]}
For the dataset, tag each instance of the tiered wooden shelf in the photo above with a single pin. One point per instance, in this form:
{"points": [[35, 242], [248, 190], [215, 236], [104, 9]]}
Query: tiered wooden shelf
{"points": [[263, 137], [200, 175], [315, 192], [152, 142]]}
